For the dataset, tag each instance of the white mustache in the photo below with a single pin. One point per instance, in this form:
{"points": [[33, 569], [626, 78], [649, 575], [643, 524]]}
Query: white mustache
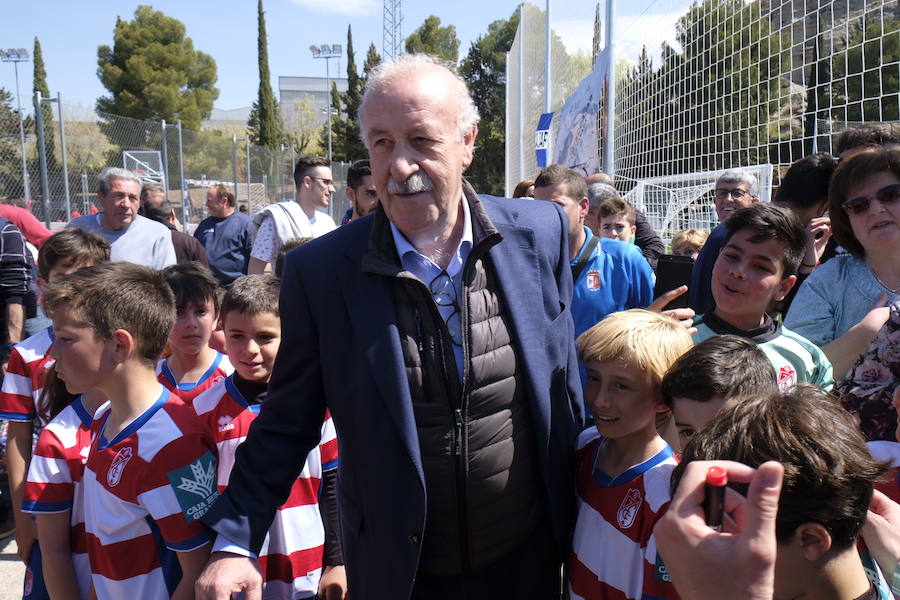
{"points": [[415, 183]]}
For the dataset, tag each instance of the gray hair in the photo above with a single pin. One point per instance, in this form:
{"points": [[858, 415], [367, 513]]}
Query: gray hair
{"points": [[599, 193], [110, 173], [404, 64], [738, 176]]}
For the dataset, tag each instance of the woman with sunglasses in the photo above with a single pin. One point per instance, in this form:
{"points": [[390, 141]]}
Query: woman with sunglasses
{"points": [[844, 302]]}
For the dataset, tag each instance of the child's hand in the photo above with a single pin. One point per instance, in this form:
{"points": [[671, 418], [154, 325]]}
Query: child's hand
{"points": [[685, 316], [881, 532]]}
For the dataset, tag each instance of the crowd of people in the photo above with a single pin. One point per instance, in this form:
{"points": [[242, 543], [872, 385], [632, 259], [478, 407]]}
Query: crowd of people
{"points": [[452, 395]]}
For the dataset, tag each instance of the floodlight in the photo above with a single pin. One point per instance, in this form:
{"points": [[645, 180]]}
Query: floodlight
{"points": [[315, 50], [326, 49], [336, 49]]}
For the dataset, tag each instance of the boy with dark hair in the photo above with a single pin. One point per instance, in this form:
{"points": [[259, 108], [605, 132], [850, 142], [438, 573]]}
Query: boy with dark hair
{"points": [[150, 472], [714, 374], [623, 465], [617, 220], [856, 139], [282, 252], [193, 366], [360, 190], [828, 477], [301, 555], [756, 267], [63, 253]]}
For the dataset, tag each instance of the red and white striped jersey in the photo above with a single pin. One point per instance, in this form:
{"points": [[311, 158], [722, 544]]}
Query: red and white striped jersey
{"points": [[614, 550], [28, 364], [54, 479], [291, 556], [217, 371], [144, 493]]}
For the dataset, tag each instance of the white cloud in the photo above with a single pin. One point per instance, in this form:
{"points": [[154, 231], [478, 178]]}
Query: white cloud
{"points": [[354, 8]]}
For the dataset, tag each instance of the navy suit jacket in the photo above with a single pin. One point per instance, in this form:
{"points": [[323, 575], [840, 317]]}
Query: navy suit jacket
{"points": [[340, 350]]}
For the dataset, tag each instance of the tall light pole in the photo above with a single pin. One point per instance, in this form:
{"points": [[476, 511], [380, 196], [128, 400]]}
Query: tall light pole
{"points": [[327, 52], [15, 56]]}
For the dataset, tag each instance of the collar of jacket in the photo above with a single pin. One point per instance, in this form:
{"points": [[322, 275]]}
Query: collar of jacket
{"points": [[381, 256]]}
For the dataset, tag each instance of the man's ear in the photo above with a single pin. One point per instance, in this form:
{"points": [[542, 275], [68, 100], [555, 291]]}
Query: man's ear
{"points": [[583, 206], [42, 284], [469, 142], [815, 541]]}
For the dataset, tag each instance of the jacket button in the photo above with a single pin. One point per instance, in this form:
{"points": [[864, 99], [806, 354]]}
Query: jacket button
{"points": [[413, 539]]}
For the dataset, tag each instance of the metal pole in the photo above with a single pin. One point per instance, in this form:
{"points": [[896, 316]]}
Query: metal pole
{"points": [[26, 181], [547, 63], [185, 198], [234, 167], [609, 151], [84, 193], [165, 157], [328, 104], [249, 197], [62, 139], [42, 154], [521, 93], [266, 185], [281, 173]]}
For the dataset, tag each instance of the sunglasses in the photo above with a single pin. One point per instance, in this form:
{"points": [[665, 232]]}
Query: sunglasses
{"points": [[887, 195]]}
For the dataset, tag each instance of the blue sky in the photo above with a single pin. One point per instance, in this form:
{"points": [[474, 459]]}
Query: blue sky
{"points": [[71, 30]]}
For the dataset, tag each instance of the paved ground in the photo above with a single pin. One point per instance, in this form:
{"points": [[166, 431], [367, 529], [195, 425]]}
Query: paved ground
{"points": [[12, 570]]}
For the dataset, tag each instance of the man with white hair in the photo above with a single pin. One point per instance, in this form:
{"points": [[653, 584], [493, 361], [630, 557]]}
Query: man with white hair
{"points": [[438, 335], [131, 237], [734, 190]]}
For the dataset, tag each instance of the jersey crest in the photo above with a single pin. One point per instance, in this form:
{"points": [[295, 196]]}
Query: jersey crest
{"points": [[114, 474], [629, 508], [787, 377], [195, 486], [593, 280]]}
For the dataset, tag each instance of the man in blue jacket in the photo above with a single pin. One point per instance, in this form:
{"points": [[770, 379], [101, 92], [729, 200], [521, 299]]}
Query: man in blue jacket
{"points": [[438, 335]]}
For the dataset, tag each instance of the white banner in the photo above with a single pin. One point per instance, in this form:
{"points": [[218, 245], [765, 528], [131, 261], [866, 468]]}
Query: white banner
{"points": [[576, 134]]}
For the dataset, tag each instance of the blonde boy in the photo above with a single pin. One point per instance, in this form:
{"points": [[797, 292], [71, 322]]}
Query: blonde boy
{"points": [[623, 465]]}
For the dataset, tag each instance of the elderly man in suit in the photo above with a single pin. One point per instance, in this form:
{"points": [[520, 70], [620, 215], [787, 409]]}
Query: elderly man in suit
{"points": [[437, 332]]}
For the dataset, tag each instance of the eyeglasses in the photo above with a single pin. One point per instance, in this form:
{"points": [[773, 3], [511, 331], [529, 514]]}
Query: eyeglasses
{"points": [[325, 182], [444, 293], [737, 194], [887, 196]]}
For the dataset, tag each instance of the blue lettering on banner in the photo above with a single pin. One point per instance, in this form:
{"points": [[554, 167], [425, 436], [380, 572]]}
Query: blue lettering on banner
{"points": [[542, 139]]}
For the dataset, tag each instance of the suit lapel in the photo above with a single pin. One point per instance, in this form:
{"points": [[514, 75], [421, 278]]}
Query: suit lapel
{"points": [[517, 266], [373, 316]]}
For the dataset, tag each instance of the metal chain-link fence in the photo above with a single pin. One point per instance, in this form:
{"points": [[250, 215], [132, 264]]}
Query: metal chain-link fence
{"points": [[185, 162]]}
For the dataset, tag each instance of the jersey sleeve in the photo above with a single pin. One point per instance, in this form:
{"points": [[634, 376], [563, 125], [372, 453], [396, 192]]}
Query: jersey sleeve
{"points": [[16, 401], [179, 489], [328, 448], [48, 487], [264, 244]]}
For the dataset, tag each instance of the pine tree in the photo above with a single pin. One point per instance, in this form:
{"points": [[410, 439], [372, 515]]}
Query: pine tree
{"points": [[373, 59], [40, 85], [345, 125], [267, 130]]}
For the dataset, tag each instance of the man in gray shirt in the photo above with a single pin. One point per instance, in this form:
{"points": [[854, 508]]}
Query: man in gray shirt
{"points": [[132, 238]]}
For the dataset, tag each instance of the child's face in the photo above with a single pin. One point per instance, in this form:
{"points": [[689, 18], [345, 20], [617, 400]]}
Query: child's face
{"points": [[194, 325], [691, 416], [746, 278], [615, 227], [82, 358], [251, 342], [621, 399]]}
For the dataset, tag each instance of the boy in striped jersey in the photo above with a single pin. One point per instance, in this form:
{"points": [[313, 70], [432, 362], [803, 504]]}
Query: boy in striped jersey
{"points": [[623, 465], [151, 468], [63, 253], [300, 556], [193, 366]]}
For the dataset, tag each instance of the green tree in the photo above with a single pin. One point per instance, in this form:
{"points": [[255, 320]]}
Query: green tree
{"points": [[153, 72], [264, 125], [484, 69], [345, 126], [10, 157], [40, 85], [303, 132], [431, 38], [372, 60], [865, 82]]}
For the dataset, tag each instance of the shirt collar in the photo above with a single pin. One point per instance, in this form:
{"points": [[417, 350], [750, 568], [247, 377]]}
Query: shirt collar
{"points": [[413, 261]]}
